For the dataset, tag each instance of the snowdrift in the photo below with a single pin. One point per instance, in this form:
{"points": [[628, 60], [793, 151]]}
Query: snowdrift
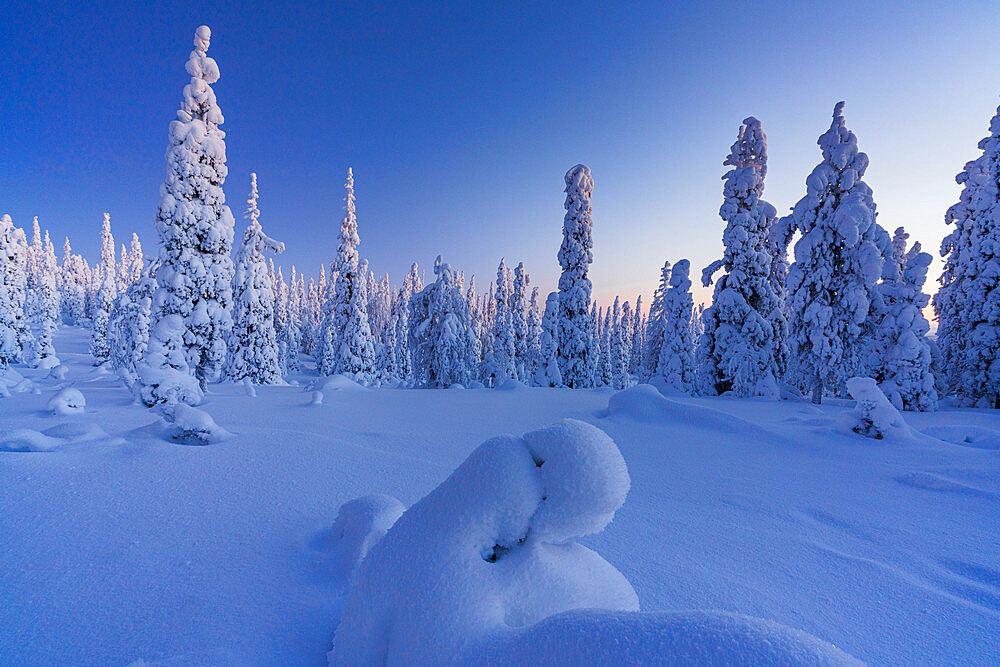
{"points": [[486, 569]]}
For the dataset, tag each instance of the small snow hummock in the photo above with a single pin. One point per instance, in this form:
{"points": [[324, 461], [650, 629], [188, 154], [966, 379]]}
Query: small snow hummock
{"points": [[487, 567], [69, 401], [27, 440], [874, 416], [191, 426], [359, 525]]}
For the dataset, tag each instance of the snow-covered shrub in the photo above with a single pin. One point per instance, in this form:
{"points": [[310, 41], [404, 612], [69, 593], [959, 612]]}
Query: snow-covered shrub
{"points": [[873, 415], [191, 426], [576, 332], [742, 345], [69, 401], [194, 272]]}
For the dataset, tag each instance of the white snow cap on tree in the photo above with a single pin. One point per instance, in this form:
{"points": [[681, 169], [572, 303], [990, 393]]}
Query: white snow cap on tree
{"points": [[742, 345], [253, 348], [576, 332], [12, 288], [967, 303], [195, 270], [838, 261]]}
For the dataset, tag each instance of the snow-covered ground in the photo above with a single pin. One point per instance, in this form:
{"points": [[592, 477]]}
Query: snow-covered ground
{"points": [[119, 545]]}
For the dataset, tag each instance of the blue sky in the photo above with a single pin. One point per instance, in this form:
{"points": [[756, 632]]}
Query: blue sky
{"points": [[459, 120]]}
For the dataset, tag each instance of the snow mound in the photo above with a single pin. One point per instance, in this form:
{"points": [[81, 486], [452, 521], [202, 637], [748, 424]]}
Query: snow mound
{"points": [[511, 385], [485, 570], [27, 440], [873, 415], [476, 384], [490, 549], [317, 398], [69, 401], [337, 383], [967, 435], [76, 432], [191, 426], [359, 525], [643, 403], [48, 362], [58, 372], [594, 637]]}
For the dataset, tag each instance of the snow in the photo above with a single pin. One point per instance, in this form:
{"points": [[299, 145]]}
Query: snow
{"points": [[874, 416], [359, 525], [191, 426], [69, 401], [738, 509]]}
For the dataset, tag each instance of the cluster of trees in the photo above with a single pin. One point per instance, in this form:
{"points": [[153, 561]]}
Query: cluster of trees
{"points": [[849, 304]]}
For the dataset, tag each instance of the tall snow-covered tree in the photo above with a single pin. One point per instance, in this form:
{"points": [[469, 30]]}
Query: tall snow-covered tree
{"points": [[347, 341], [638, 339], [576, 332], [742, 347], [440, 337], [548, 374], [968, 302], [253, 348], [618, 352], [837, 264], [904, 356], [501, 360], [42, 301], [676, 365], [72, 286], [195, 270], [532, 344], [128, 327], [290, 336], [653, 338], [12, 292], [519, 318], [106, 295]]}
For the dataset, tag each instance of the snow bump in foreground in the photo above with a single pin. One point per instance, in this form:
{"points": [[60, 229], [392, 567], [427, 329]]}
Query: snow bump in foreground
{"points": [[486, 569]]}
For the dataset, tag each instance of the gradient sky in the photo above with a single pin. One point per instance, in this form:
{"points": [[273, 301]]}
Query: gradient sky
{"points": [[460, 121]]}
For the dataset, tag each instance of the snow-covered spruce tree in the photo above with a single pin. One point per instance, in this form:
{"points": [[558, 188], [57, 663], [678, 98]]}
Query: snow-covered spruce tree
{"points": [[128, 327], [347, 346], [638, 339], [532, 342], [903, 366], [618, 352], [440, 337], [605, 377], [106, 295], [195, 270], [72, 286], [743, 348], [500, 362], [133, 271], [676, 365], [475, 318], [547, 374], [253, 347], [837, 264], [26, 340], [281, 320], [653, 338], [290, 336], [519, 317], [576, 332], [968, 302], [42, 302], [12, 287]]}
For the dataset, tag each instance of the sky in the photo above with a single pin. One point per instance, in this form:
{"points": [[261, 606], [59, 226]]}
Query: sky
{"points": [[460, 120]]}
